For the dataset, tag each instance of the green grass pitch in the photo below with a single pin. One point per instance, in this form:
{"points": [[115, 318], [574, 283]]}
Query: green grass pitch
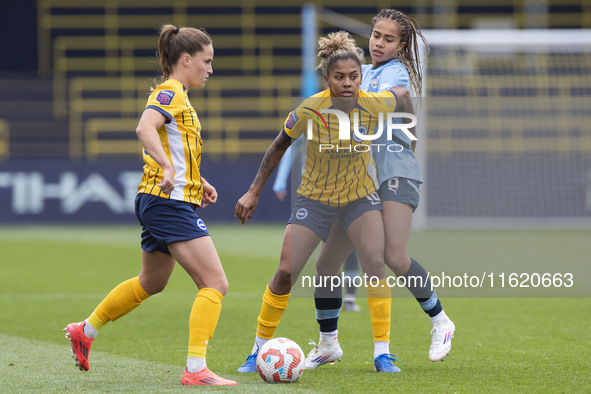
{"points": [[50, 276]]}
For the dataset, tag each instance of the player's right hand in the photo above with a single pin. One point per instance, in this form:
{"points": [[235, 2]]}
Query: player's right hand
{"points": [[246, 206], [167, 183]]}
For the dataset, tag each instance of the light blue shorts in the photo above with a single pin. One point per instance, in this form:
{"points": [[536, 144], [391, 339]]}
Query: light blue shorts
{"points": [[402, 190]]}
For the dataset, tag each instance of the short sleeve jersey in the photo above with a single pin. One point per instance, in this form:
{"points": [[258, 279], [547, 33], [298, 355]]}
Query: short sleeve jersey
{"points": [[336, 171], [396, 163], [181, 139]]}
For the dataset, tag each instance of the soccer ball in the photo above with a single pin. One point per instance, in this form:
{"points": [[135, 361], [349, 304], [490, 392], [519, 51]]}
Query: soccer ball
{"points": [[280, 360]]}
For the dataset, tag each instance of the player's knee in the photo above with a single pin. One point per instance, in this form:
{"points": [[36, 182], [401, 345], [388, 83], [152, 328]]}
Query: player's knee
{"points": [[374, 265], [221, 285], [397, 260], [152, 285], [324, 270]]}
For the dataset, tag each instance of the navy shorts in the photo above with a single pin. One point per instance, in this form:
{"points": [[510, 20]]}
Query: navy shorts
{"points": [[165, 221], [402, 190], [319, 217]]}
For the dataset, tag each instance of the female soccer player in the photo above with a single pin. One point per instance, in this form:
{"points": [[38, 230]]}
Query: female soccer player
{"points": [[395, 62], [351, 268], [170, 191], [334, 185]]}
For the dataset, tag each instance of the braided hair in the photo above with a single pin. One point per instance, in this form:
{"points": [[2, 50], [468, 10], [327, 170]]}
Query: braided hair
{"points": [[409, 55]]}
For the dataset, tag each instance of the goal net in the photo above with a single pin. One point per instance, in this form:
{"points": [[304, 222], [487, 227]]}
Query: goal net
{"points": [[505, 129]]}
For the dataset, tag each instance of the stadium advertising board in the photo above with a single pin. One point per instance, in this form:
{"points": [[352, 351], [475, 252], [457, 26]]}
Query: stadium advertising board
{"points": [[56, 191]]}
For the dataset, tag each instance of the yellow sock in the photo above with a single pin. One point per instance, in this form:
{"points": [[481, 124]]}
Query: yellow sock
{"points": [[271, 311], [203, 320], [119, 302], [380, 306]]}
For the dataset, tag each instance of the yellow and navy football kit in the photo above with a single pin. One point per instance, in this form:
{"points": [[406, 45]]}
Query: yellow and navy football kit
{"points": [[172, 218], [181, 139], [169, 218], [337, 172], [339, 180], [165, 221]]}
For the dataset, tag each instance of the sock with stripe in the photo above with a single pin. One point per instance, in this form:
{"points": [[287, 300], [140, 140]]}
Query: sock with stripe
{"points": [[328, 306], [419, 284]]}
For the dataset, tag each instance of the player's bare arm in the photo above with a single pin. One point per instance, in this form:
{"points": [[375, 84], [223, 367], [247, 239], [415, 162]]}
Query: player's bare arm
{"points": [[247, 204], [147, 132]]}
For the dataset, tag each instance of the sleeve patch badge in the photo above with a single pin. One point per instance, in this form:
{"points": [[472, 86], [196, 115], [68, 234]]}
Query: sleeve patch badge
{"points": [[165, 97], [291, 120]]}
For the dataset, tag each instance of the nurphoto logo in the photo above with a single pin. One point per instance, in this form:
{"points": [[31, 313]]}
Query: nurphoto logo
{"points": [[360, 133]]}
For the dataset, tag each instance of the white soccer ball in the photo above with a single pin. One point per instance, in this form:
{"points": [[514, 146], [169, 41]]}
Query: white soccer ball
{"points": [[280, 360]]}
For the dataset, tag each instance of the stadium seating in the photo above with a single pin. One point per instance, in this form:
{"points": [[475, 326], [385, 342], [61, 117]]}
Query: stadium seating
{"points": [[101, 58]]}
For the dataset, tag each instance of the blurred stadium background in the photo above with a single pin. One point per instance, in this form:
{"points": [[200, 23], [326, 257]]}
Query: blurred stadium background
{"points": [[505, 142], [505, 133]]}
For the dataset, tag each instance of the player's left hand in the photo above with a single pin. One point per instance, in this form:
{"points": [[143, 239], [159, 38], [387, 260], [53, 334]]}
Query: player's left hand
{"points": [[210, 195]]}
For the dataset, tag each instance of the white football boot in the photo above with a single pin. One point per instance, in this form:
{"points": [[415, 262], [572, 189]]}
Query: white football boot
{"points": [[441, 336], [327, 351]]}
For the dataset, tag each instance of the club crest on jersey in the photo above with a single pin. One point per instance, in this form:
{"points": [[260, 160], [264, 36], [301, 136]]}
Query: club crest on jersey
{"points": [[362, 131], [374, 83], [291, 120], [165, 97]]}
